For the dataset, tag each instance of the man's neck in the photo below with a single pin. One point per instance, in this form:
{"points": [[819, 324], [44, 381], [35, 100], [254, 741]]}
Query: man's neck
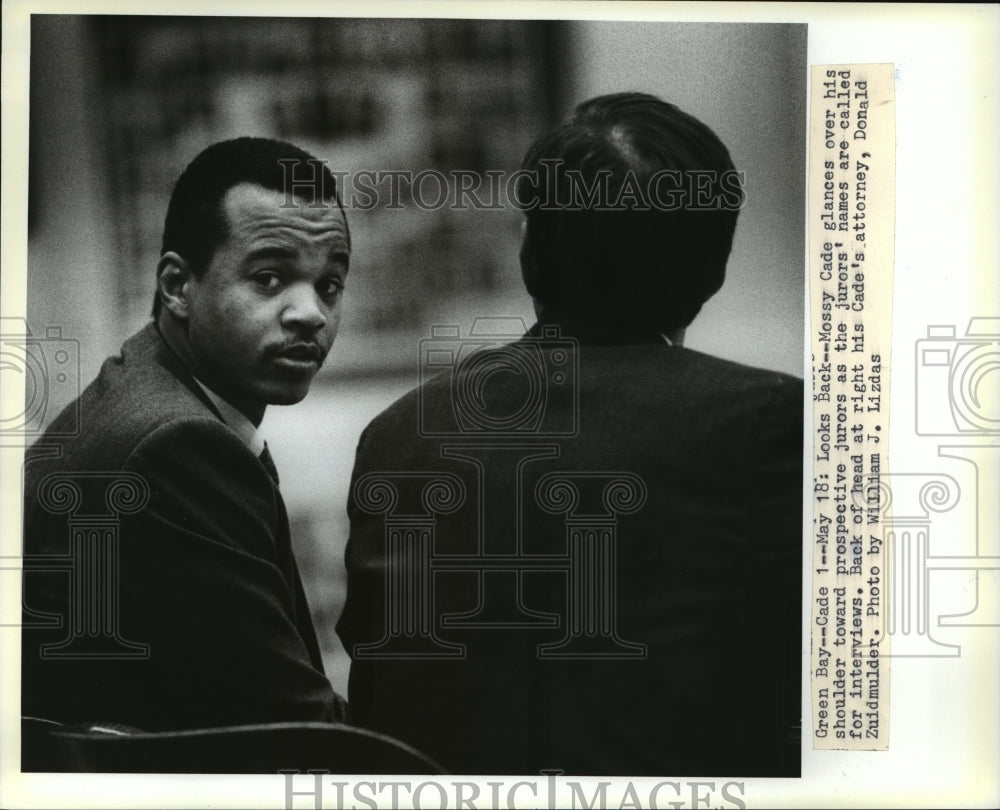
{"points": [[174, 334]]}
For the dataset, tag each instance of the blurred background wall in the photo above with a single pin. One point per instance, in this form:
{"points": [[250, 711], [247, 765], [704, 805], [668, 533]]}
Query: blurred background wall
{"points": [[119, 105]]}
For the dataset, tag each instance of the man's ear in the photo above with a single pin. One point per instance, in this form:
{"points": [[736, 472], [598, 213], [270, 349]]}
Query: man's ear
{"points": [[173, 276], [528, 261], [536, 269]]}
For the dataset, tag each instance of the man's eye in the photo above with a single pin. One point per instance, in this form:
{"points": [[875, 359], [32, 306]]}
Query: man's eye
{"points": [[331, 288], [267, 280]]}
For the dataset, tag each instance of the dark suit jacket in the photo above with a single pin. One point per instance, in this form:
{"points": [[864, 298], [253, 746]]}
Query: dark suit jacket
{"points": [[206, 574], [705, 573]]}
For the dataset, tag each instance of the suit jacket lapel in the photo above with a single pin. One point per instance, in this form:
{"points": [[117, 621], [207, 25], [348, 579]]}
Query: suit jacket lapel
{"points": [[150, 340]]}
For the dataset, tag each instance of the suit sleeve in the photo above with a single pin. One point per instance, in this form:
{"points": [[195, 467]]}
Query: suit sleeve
{"points": [[363, 609], [205, 582], [357, 606]]}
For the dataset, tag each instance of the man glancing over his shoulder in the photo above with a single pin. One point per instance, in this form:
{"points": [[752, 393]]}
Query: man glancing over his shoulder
{"points": [[202, 621]]}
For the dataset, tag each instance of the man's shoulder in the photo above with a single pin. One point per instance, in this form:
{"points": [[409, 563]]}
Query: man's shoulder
{"points": [[712, 395], [403, 412], [720, 373], [638, 376], [633, 378], [137, 394]]}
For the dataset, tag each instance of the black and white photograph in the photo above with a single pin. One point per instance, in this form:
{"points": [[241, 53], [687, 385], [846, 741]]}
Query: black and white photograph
{"points": [[430, 394], [595, 525]]}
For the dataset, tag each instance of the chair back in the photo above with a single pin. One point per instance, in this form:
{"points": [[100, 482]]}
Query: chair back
{"points": [[40, 751], [330, 747]]}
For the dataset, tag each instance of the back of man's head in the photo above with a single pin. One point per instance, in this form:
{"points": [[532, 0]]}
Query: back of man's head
{"points": [[196, 221], [631, 205]]}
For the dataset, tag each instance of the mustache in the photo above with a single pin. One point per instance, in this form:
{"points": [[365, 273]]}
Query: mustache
{"points": [[298, 350]]}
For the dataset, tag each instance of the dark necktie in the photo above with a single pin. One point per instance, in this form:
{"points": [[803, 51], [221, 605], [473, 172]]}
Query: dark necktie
{"points": [[268, 462]]}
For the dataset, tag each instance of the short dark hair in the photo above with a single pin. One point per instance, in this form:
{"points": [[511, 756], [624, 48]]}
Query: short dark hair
{"points": [[196, 223], [628, 255]]}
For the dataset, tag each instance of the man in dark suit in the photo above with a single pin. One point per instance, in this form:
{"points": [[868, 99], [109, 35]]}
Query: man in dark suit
{"points": [[174, 601], [581, 550]]}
